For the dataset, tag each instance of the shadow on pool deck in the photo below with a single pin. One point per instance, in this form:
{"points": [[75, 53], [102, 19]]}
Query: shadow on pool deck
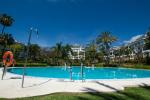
{"points": [[16, 77], [121, 95], [37, 84], [113, 88], [101, 84]]}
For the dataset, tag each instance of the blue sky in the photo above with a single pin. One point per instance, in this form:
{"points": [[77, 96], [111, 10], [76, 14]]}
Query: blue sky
{"points": [[76, 21]]}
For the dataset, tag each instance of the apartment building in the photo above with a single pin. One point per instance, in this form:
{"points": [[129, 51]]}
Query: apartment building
{"points": [[133, 48], [78, 52]]}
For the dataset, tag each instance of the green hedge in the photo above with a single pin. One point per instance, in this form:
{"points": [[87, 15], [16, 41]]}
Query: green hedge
{"points": [[31, 64], [137, 66]]}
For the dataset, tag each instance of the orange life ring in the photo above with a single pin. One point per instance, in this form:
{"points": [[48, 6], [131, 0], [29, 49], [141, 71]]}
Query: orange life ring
{"points": [[8, 55]]}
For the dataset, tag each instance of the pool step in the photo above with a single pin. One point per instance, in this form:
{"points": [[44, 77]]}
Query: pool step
{"points": [[78, 75]]}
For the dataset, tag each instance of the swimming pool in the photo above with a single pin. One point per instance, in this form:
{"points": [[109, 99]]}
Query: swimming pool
{"points": [[88, 72]]}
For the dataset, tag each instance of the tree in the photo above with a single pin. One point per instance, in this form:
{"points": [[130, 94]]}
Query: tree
{"points": [[147, 46], [104, 41], [6, 39], [18, 50], [47, 55], [61, 53], [91, 52], [65, 53], [129, 51], [122, 54], [9, 39], [117, 55], [119, 52], [34, 52], [58, 52], [6, 21], [147, 41]]}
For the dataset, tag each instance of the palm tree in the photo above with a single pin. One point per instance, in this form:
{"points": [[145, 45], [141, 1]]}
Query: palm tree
{"points": [[104, 40], [61, 53], [65, 53], [58, 49], [6, 39], [91, 52], [6, 21]]}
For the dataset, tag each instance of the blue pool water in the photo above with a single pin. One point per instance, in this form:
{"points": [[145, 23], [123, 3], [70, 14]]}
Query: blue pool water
{"points": [[88, 73]]}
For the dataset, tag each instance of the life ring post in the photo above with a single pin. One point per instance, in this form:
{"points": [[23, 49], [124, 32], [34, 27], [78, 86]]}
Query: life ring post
{"points": [[4, 72], [8, 59]]}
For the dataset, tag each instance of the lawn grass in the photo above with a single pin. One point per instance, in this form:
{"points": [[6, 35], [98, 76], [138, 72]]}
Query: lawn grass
{"points": [[134, 93]]}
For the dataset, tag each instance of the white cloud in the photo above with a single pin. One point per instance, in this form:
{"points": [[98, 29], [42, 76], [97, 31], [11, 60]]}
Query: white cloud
{"points": [[134, 38]]}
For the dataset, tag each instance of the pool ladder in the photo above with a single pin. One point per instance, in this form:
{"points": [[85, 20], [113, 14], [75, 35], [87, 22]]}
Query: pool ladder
{"points": [[82, 73]]}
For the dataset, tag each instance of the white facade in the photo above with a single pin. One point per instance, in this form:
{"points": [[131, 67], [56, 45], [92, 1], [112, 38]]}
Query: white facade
{"points": [[78, 52], [137, 47]]}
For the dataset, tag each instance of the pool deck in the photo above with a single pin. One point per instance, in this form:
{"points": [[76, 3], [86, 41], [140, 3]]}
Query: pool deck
{"points": [[10, 87]]}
